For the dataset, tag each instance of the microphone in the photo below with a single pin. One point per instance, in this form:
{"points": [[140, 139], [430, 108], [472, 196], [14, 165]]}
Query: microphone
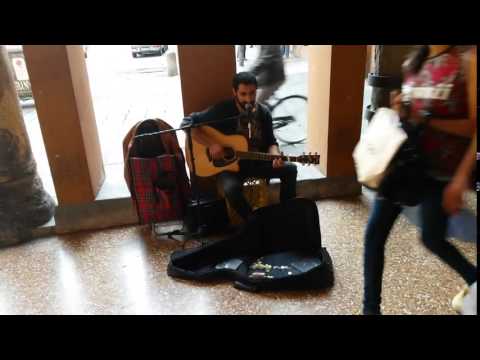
{"points": [[249, 108]]}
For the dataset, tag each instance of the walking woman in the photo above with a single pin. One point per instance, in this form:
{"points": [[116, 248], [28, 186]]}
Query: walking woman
{"points": [[440, 83]]}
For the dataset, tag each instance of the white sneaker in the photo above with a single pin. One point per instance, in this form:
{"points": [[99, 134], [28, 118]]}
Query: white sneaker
{"points": [[470, 301], [457, 302]]}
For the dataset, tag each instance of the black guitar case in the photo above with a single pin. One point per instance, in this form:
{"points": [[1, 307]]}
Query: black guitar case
{"points": [[279, 248]]}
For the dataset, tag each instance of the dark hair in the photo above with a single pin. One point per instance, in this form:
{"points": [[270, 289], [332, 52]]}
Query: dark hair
{"points": [[246, 78], [417, 58]]}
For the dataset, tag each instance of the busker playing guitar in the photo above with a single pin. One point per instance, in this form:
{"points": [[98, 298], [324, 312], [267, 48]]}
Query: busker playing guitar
{"points": [[242, 116]]}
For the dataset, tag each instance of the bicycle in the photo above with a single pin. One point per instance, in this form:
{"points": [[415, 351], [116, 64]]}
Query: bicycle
{"points": [[289, 118]]}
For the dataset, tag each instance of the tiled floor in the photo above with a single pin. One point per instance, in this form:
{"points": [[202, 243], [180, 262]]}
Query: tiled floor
{"points": [[122, 271]]}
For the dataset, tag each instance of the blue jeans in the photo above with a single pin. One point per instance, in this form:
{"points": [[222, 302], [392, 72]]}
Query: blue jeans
{"points": [[232, 183], [434, 229]]}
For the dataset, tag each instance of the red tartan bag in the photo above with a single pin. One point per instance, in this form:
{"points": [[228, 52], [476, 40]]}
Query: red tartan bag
{"points": [[155, 173]]}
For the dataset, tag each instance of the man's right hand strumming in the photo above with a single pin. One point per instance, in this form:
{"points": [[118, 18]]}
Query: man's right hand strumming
{"points": [[216, 151]]}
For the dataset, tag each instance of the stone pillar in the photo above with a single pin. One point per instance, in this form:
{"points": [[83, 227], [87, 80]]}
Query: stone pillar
{"points": [[206, 73], [61, 88], [386, 74], [336, 79], [24, 204]]}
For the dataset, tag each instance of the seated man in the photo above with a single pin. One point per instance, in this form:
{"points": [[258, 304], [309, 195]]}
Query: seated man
{"points": [[256, 126]]}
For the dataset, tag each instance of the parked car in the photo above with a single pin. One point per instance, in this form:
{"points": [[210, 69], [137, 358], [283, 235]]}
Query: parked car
{"points": [[140, 50]]}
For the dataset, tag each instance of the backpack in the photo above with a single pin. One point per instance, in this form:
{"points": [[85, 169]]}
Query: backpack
{"points": [[278, 248], [154, 169]]}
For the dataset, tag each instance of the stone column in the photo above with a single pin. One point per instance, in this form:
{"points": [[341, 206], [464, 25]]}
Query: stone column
{"points": [[336, 79], [61, 88], [24, 204], [206, 73], [386, 74]]}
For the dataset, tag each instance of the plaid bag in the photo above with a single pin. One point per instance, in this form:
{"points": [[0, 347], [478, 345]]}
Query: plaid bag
{"points": [[156, 175], [155, 182]]}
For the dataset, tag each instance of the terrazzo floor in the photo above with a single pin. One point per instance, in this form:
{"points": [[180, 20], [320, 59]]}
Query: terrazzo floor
{"points": [[123, 271]]}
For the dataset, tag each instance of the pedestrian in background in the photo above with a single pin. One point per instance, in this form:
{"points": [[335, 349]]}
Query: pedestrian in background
{"points": [[269, 70], [241, 51]]}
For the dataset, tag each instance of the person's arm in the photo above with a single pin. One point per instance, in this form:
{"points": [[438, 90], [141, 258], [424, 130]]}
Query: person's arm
{"points": [[270, 140], [215, 150], [268, 55], [274, 150], [259, 63], [453, 193], [198, 135]]}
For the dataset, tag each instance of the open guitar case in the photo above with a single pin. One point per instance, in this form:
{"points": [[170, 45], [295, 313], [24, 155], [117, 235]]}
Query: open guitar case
{"points": [[278, 248]]}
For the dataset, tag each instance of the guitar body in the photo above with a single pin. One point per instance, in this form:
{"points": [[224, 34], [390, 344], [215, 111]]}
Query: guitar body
{"points": [[235, 148], [204, 165]]}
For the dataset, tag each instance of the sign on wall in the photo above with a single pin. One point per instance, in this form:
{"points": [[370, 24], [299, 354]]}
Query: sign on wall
{"points": [[20, 68], [22, 81]]}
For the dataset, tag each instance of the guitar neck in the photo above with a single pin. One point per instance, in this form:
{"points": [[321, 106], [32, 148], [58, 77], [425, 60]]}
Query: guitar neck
{"points": [[249, 155]]}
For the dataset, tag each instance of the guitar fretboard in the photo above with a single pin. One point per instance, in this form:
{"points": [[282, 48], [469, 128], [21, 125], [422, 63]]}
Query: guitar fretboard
{"points": [[248, 155]]}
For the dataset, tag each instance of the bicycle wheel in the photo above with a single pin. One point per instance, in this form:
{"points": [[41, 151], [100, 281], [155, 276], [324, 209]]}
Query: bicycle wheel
{"points": [[290, 119]]}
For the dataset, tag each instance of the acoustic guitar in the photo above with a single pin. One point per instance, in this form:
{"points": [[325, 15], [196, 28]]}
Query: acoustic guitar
{"points": [[235, 149]]}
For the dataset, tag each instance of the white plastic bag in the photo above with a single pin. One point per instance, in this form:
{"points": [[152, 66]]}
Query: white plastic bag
{"points": [[378, 146]]}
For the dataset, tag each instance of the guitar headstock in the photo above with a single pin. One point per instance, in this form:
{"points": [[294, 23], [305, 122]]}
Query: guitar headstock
{"points": [[309, 159]]}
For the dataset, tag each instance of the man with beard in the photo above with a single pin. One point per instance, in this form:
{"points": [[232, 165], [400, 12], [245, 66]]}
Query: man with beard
{"points": [[242, 115]]}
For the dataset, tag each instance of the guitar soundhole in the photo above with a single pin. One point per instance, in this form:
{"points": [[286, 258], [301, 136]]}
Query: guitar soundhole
{"points": [[229, 154], [229, 157]]}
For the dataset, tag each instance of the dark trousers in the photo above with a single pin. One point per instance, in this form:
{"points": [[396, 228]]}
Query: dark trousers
{"points": [[232, 183], [434, 229]]}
